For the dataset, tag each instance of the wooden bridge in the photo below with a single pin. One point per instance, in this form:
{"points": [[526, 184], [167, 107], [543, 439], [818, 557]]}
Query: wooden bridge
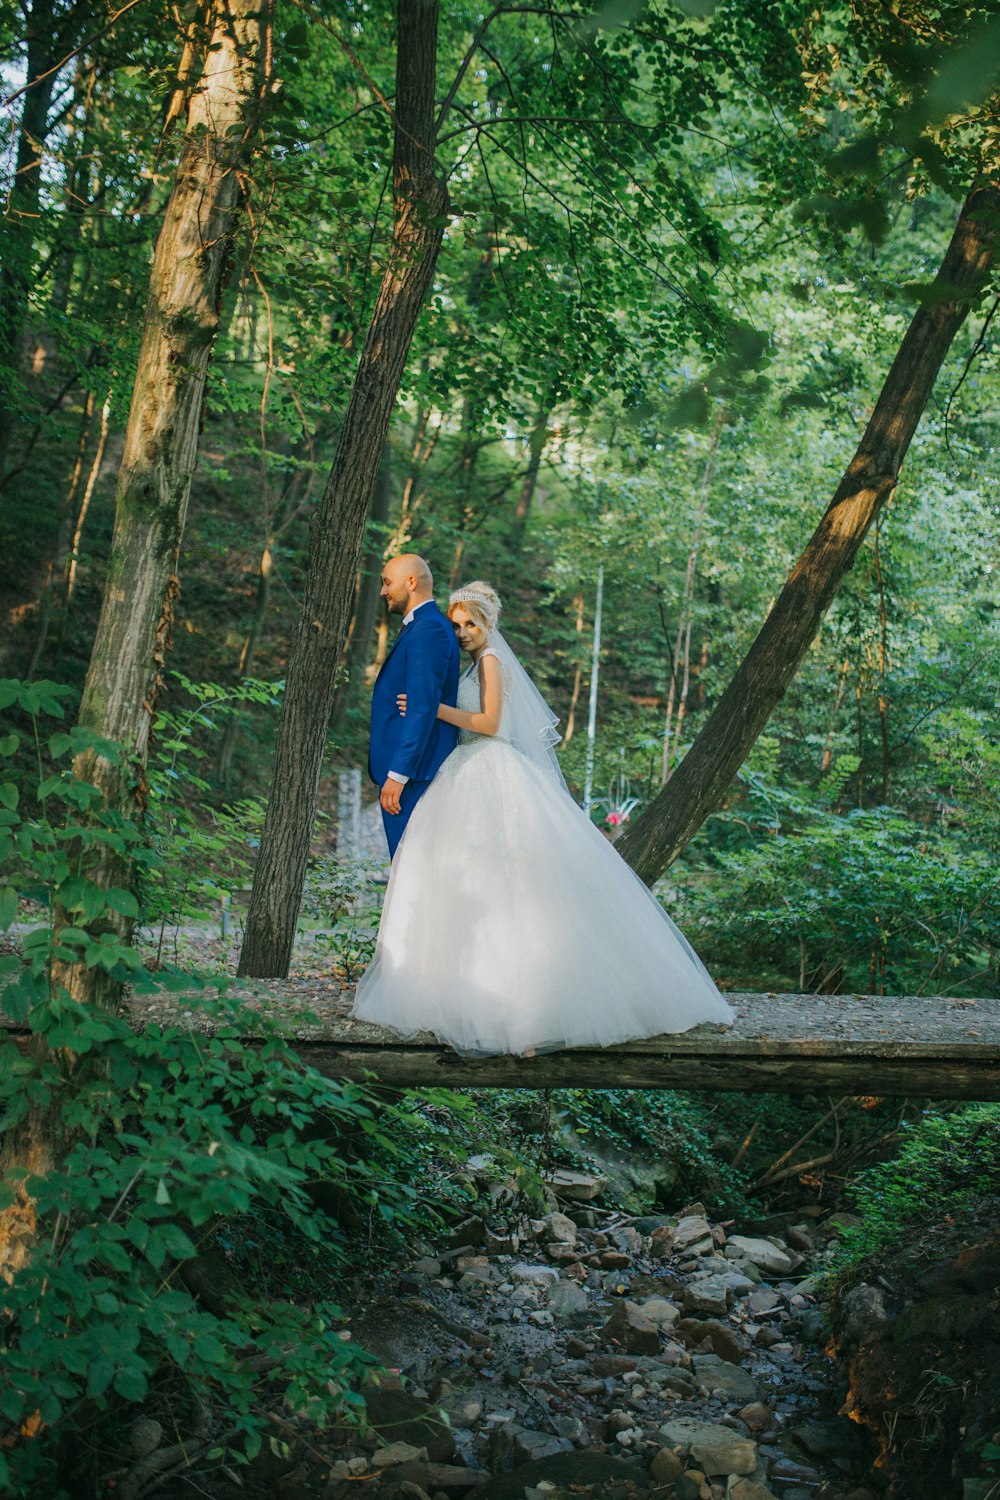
{"points": [[934, 1047]]}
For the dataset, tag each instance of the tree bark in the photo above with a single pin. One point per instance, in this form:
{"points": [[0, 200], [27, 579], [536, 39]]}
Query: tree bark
{"points": [[182, 317], [18, 226], [161, 438], [420, 201], [699, 783], [357, 649]]}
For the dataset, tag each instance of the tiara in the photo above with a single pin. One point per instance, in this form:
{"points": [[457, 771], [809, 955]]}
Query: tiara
{"points": [[463, 596]]}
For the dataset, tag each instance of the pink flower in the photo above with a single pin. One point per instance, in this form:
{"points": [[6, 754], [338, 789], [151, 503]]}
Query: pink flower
{"points": [[614, 818]]}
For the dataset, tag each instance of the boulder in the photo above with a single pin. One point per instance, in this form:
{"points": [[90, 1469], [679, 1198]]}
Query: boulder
{"points": [[567, 1299], [717, 1374], [693, 1235], [720, 1338], [666, 1466], [578, 1187], [534, 1275], [559, 1227], [511, 1446], [761, 1252], [630, 1327], [749, 1489], [660, 1310], [717, 1450], [709, 1295]]}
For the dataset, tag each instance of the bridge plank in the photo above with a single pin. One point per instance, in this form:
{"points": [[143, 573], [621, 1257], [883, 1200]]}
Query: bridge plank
{"points": [[937, 1047]]}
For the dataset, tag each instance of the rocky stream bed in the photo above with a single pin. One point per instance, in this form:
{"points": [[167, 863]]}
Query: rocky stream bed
{"points": [[590, 1353]]}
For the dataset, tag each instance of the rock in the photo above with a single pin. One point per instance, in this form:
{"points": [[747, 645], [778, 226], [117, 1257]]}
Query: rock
{"points": [[691, 1486], [446, 1479], [721, 1339], [630, 1327], [615, 1260], [559, 1227], [396, 1453], [511, 1446], [583, 1471], [761, 1252], [534, 1275], [410, 1491], [567, 1299], [404, 1418], [763, 1300], [827, 1439], [719, 1450], [709, 1295], [541, 1319], [660, 1311], [717, 1374], [145, 1435], [426, 1266], [756, 1416], [749, 1489], [579, 1187], [666, 1466], [661, 1243], [693, 1235], [863, 1314]]}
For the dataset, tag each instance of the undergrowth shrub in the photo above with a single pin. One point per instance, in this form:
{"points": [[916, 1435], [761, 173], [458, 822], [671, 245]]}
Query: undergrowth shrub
{"points": [[866, 900], [135, 1162], [946, 1164]]}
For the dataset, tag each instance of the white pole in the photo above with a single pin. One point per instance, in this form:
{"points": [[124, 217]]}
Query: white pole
{"points": [[588, 781]]}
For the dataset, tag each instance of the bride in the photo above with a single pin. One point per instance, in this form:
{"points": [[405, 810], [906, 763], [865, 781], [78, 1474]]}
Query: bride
{"points": [[510, 923]]}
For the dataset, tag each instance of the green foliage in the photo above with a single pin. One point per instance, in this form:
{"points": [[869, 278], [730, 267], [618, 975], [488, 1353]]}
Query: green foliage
{"points": [[340, 898], [149, 1149], [201, 852], [865, 900], [946, 1163]]}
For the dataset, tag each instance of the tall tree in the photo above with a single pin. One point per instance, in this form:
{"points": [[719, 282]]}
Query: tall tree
{"points": [[182, 317], [699, 783], [420, 201]]}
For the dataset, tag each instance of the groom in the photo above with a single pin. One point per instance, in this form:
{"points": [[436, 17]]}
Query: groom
{"points": [[406, 752]]}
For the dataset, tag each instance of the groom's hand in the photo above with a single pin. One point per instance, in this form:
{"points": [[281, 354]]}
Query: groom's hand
{"points": [[390, 794]]}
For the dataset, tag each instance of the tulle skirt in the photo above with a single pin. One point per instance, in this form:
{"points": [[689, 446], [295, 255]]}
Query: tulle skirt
{"points": [[511, 923]]}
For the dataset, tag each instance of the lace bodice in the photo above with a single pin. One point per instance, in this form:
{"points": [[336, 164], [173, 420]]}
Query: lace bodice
{"points": [[469, 703]]}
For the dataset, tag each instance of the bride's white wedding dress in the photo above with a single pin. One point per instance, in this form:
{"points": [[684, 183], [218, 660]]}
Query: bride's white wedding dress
{"points": [[511, 923]]}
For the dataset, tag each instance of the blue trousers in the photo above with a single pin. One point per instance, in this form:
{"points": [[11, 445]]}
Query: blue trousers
{"points": [[395, 823]]}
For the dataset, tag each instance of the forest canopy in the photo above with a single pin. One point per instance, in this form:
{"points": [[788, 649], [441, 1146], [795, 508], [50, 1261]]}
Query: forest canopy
{"points": [[676, 250]]}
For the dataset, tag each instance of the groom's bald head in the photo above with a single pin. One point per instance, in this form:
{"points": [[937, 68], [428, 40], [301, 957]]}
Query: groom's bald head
{"points": [[406, 582]]}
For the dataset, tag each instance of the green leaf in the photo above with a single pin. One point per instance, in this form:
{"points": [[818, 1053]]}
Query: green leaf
{"points": [[8, 795], [100, 1375], [131, 1383], [8, 906]]}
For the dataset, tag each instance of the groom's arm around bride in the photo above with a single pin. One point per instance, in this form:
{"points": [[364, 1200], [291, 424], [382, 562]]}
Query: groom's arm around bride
{"points": [[406, 752]]}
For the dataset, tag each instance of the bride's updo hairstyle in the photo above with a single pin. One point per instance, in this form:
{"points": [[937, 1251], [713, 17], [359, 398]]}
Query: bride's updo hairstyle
{"points": [[482, 602]]}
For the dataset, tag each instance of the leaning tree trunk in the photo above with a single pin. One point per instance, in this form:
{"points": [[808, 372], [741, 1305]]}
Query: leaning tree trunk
{"points": [[698, 784], [420, 201], [182, 317]]}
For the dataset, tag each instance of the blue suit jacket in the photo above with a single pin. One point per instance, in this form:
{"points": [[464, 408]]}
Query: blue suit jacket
{"points": [[423, 664]]}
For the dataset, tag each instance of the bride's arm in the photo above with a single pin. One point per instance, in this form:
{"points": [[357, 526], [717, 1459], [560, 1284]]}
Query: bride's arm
{"points": [[487, 720]]}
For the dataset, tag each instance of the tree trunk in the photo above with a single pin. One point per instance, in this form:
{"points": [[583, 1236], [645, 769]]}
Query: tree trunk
{"points": [[536, 447], [420, 202], [154, 482], [161, 438], [357, 651], [18, 226], [699, 783]]}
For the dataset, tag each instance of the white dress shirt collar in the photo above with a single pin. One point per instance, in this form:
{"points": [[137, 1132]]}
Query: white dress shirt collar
{"points": [[407, 618]]}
